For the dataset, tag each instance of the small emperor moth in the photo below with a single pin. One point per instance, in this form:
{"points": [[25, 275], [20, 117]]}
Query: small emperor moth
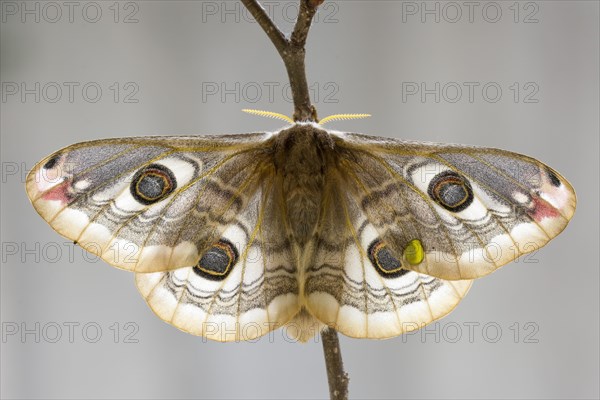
{"points": [[233, 236]]}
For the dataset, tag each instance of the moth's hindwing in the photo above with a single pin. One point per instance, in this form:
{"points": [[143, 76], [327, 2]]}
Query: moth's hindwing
{"points": [[355, 285], [454, 212], [243, 287]]}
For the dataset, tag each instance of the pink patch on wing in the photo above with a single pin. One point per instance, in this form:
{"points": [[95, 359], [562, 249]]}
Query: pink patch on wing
{"points": [[542, 209], [59, 192]]}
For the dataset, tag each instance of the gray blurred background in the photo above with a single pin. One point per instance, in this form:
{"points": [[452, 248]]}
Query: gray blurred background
{"points": [[522, 76]]}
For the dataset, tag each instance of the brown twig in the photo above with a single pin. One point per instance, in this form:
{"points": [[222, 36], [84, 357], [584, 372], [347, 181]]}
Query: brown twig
{"points": [[292, 52], [265, 22], [336, 376]]}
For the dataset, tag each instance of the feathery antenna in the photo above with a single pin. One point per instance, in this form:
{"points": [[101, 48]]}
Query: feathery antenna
{"points": [[336, 117], [269, 114], [340, 117]]}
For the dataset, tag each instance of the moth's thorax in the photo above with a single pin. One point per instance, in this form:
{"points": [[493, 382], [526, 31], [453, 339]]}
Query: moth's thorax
{"points": [[302, 154]]}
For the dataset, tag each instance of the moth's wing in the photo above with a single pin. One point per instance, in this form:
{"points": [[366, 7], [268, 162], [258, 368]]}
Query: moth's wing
{"points": [[243, 287], [148, 204], [353, 283], [455, 212]]}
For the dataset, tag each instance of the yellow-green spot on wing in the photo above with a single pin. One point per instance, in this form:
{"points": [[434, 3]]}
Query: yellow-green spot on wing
{"points": [[413, 252]]}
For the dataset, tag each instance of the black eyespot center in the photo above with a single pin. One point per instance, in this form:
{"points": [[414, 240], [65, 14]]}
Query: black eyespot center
{"points": [[217, 262], [384, 262], [152, 184], [451, 191]]}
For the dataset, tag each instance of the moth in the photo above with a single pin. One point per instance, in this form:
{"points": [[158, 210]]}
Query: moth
{"points": [[233, 236]]}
